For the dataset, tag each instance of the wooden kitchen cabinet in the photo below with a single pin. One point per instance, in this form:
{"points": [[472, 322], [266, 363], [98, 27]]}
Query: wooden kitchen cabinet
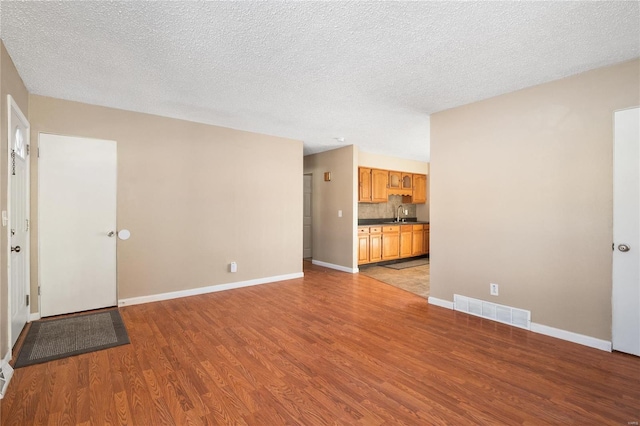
{"points": [[419, 189], [417, 241], [363, 248], [400, 183], [375, 244], [379, 180], [372, 185], [390, 242], [426, 239], [379, 243], [369, 244], [406, 233], [407, 181], [395, 180], [375, 186], [364, 184]]}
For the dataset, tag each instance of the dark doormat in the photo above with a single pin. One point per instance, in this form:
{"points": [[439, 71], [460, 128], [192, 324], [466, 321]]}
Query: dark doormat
{"points": [[59, 338], [409, 264]]}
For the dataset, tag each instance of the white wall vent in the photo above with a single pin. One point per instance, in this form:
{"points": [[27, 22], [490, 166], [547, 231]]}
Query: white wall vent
{"points": [[504, 314]]}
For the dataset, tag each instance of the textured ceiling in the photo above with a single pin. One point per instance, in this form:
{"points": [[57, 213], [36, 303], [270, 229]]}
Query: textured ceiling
{"points": [[368, 72]]}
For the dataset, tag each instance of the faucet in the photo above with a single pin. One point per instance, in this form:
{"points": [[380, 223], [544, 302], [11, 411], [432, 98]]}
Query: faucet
{"points": [[398, 213]]}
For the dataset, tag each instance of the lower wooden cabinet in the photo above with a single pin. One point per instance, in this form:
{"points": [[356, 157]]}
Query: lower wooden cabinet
{"points": [[378, 243], [363, 248], [426, 239], [417, 240], [375, 246], [390, 242], [369, 244], [406, 234]]}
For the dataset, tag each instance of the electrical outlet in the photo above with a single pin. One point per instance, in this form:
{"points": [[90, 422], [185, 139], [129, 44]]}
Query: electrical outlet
{"points": [[493, 289], [406, 212]]}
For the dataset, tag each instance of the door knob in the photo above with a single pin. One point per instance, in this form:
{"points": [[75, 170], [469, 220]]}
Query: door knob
{"points": [[111, 234], [16, 249], [624, 247]]}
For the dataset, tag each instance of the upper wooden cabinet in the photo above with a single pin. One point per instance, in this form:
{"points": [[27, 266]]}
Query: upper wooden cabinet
{"points": [[419, 189], [407, 181], [379, 180], [395, 180], [375, 186], [400, 183], [364, 184], [372, 185]]}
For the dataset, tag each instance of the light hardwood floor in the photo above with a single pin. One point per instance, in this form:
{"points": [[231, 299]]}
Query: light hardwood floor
{"points": [[330, 348]]}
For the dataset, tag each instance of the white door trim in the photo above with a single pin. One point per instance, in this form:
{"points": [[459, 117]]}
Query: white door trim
{"points": [[13, 106]]}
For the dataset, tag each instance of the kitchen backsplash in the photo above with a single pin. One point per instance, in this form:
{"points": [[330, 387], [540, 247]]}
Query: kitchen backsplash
{"points": [[385, 210]]}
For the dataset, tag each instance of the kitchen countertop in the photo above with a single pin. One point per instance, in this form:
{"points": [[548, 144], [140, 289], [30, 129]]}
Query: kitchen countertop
{"points": [[388, 221]]}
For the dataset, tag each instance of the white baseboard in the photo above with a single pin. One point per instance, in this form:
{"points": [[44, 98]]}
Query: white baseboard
{"points": [[570, 336], [204, 290], [440, 302], [6, 372], [336, 267], [34, 316]]}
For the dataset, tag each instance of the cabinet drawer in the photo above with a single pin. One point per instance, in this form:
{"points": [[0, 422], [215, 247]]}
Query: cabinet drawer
{"points": [[418, 227], [395, 228], [405, 228], [364, 230], [375, 230]]}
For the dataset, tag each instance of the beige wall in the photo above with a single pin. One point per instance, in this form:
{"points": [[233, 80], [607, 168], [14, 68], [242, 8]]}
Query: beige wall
{"points": [[10, 84], [195, 197], [332, 236], [521, 195], [384, 162]]}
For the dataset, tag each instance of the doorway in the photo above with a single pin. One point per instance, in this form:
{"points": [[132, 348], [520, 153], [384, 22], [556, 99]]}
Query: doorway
{"points": [[18, 219], [76, 224], [307, 218]]}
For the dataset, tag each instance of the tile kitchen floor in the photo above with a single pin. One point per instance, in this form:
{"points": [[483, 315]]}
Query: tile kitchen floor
{"points": [[415, 280]]}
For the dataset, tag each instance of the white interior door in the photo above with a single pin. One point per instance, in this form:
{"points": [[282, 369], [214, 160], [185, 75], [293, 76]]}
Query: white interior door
{"points": [[626, 232], [306, 233], [18, 225], [76, 224]]}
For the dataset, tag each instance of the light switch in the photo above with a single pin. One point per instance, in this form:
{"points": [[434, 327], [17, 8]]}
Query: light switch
{"points": [[339, 213]]}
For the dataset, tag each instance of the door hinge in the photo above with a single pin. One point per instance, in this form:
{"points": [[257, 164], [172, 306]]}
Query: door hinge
{"points": [[38, 152], [27, 300], [38, 290], [28, 149], [27, 224]]}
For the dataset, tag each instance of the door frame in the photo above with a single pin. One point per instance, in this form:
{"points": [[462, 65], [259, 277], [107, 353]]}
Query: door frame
{"points": [[12, 106], [310, 175]]}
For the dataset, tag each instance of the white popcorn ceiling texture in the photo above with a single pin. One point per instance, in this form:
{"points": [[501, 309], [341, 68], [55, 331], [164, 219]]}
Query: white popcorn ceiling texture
{"points": [[368, 72]]}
